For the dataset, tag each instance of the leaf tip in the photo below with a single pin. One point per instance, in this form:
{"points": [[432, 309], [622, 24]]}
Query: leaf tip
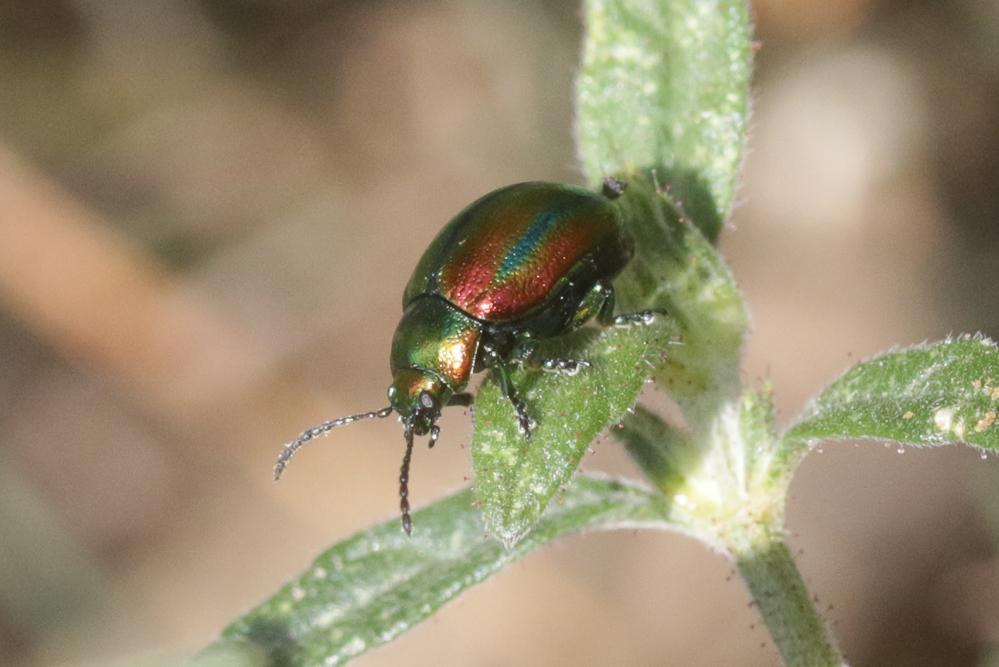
{"points": [[509, 536]]}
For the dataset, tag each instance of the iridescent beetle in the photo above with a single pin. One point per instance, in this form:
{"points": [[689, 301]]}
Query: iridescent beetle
{"points": [[525, 262]]}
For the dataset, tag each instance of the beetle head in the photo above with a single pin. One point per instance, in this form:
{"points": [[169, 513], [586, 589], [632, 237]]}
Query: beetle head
{"points": [[418, 397]]}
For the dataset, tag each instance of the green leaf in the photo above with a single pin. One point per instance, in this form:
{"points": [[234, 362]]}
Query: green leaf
{"points": [[934, 394], [374, 586], [662, 103], [664, 453], [759, 442], [675, 267], [665, 84], [516, 478], [228, 652]]}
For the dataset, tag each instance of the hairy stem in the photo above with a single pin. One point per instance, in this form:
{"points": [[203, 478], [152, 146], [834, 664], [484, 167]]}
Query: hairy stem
{"points": [[788, 611]]}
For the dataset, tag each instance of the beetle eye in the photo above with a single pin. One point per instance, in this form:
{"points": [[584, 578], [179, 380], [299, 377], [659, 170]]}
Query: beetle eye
{"points": [[426, 400]]}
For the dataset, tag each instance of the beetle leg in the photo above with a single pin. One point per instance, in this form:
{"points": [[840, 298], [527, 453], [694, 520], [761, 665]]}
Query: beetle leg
{"points": [[464, 400], [606, 314], [642, 317], [607, 317], [506, 385], [564, 366], [557, 365], [486, 357], [491, 358], [521, 355]]}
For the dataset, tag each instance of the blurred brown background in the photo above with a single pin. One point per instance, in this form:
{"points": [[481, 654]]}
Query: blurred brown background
{"points": [[208, 209]]}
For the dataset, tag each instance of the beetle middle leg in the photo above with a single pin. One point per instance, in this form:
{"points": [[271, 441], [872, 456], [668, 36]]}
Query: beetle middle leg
{"points": [[524, 355], [607, 318], [561, 366]]}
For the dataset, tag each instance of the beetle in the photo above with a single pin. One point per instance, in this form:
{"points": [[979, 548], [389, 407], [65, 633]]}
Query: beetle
{"points": [[526, 262]]}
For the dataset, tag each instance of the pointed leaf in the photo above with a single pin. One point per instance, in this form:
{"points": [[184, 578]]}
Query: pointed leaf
{"points": [[933, 394], [516, 478], [665, 83], [675, 267], [374, 586]]}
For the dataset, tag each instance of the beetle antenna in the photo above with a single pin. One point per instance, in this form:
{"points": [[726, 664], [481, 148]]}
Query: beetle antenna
{"points": [[322, 429], [435, 432], [407, 521]]}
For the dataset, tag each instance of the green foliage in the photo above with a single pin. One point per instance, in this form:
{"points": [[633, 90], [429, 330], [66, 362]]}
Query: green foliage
{"points": [[932, 394], [516, 478], [676, 268], [372, 587], [786, 606], [720, 483], [664, 453], [666, 84]]}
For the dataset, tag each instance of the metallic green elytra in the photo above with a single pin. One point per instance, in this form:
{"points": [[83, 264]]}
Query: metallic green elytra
{"points": [[525, 262]]}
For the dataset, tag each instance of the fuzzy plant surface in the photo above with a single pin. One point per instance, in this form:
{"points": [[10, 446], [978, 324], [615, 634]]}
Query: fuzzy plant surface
{"points": [[662, 103]]}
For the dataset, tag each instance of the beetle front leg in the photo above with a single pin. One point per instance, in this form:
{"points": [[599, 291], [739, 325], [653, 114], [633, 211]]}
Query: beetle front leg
{"points": [[524, 420], [490, 357]]}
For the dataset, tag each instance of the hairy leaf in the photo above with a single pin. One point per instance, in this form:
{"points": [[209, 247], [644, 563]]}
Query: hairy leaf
{"points": [[666, 84], [675, 267], [515, 478], [372, 587], [933, 394]]}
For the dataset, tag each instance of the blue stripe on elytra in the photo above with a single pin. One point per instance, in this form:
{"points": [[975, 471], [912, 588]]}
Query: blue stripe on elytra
{"points": [[535, 234]]}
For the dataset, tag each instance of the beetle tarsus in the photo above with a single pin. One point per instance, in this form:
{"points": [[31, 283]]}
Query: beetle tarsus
{"points": [[564, 366], [642, 317], [524, 421]]}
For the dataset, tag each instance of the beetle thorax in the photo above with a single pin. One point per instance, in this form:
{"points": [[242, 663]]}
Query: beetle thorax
{"points": [[437, 339]]}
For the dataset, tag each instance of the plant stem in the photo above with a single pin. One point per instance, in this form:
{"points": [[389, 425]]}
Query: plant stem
{"points": [[787, 609]]}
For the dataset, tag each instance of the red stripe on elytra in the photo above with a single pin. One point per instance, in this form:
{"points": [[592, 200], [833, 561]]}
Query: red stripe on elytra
{"points": [[471, 280]]}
